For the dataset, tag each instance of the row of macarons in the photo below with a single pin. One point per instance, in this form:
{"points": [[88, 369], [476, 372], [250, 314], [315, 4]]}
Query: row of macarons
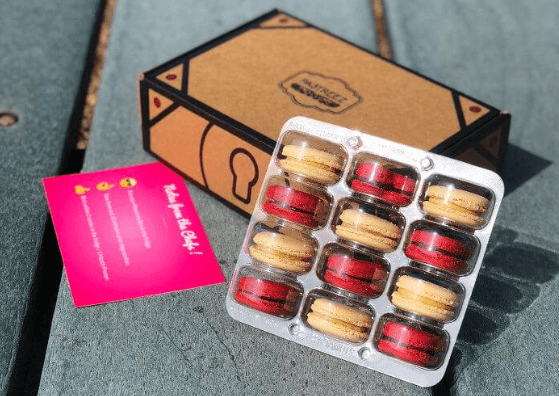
{"points": [[418, 340], [433, 246], [445, 199], [461, 203], [413, 290]]}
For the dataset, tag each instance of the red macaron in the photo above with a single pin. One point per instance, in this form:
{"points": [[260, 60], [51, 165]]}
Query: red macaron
{"points": [[411, 344], [357, 276], [293, 205], [267, 296], [439, 251], [374, 179]]}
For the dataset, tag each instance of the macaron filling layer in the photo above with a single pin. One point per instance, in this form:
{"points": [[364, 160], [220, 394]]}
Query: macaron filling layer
{"points": [[289, 197], [339, 322], [283, 205], [406, 353], [263, 303], [269, 251], [290, 214], [454, 207]]}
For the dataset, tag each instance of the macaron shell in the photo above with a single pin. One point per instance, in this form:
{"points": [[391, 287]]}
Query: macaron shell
{"points": [[403, 183], [293, 198], [412, 336], [370, 223], [357, 276], [293, 215], [339, 321], [266, 306], [257, 293], [459, 197], [410, 355], [342, 312], [440, 242], [336, 329], [373, 171], [355, 267], [313, 155], [437, 259], [267, 288], [429, 290], [284, 244]]}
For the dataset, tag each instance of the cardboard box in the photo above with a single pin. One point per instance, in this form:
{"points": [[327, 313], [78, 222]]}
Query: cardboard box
{"points": [[214, 113]]}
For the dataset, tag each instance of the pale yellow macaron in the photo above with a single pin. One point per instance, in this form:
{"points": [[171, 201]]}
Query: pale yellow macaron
{"points": [[315, 164], [369, 230], [460, 206], [282, 251], [424, 298], [339, 320]]}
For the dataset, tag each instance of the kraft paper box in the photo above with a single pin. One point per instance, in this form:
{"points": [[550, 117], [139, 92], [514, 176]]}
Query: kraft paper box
{"points": [[214, 113]]}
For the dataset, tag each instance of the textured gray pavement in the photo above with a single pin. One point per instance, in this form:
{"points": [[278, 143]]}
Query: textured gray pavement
{"points": [[43, 47], [504, 53]]}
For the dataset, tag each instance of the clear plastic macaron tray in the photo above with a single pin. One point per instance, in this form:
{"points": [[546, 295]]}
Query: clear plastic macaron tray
{"points": [[365, 249]]}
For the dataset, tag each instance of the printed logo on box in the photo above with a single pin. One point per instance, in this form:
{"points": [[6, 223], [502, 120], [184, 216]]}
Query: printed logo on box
{"points": [[326, 94]]}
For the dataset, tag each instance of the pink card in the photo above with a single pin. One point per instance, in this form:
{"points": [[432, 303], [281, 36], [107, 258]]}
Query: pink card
{"points": [[129, 232]]}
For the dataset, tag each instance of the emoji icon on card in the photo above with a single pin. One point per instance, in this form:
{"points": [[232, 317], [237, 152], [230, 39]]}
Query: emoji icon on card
{"points": [[128, 182], [104, 186], [81, 190]]}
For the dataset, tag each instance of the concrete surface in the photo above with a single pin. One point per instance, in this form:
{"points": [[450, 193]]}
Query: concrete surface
{"points": [[43, 47]]}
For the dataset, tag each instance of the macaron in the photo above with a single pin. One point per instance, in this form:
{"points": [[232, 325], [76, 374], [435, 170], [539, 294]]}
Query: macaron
{"points": [[375, 179], [339, 321], [267, 296], [357, 276], [411, 344], [293, 205], [369, 230], [425, 298], [462, 207], [312, 163], [439, 251], [282, 251]]}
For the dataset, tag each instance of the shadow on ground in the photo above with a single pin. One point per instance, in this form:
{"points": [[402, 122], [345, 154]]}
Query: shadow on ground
{"points": [[509, 281], [521, 166]]}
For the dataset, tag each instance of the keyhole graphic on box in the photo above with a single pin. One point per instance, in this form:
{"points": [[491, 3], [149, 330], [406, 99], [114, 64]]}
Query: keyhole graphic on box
{"points": [[245, 174]]}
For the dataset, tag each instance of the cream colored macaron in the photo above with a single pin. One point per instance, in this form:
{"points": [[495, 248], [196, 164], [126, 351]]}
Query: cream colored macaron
{"points": [[424, 298], [315, 164], [457, 205], [282, 251], [369, 230], [339, 320]]}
